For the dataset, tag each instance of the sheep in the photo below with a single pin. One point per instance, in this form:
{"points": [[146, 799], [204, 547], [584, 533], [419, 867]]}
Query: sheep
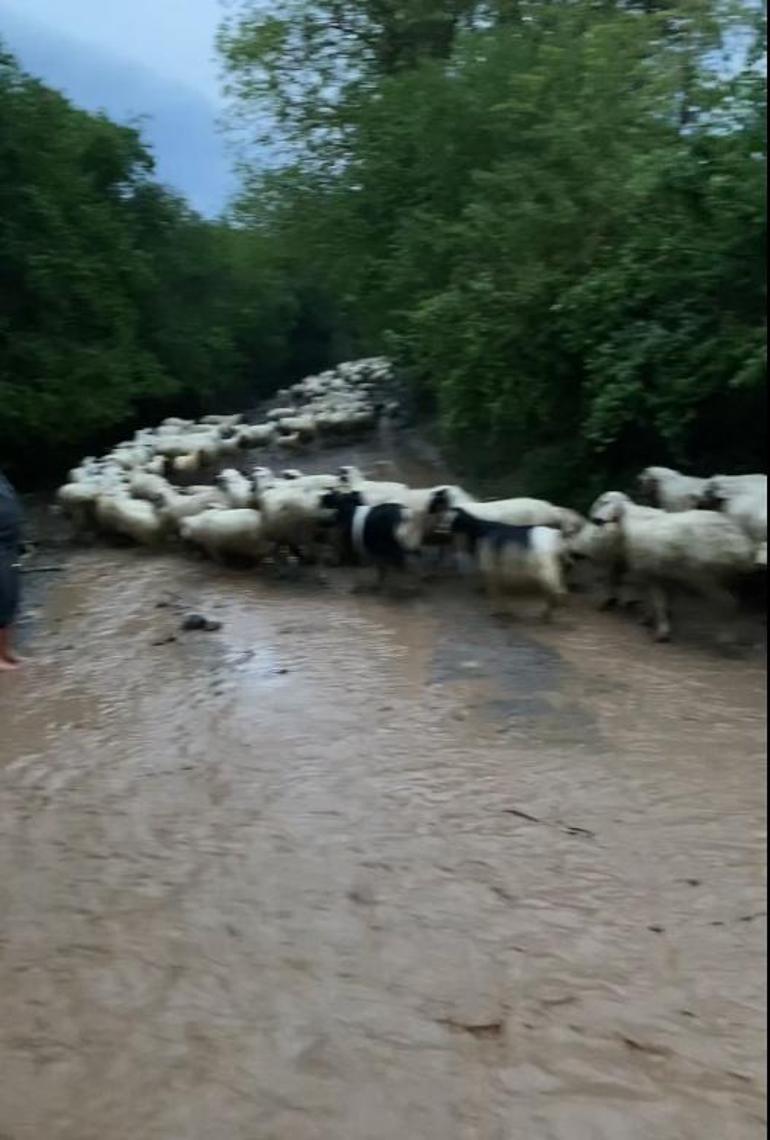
{"points": [[222, 421], [129, 457], [184, 464], [514, 558], [155, 466], [223, 532], [193, 489], [291, 518], [372, 491], [292, 442], [77, 500], [669, 490], [742, 498], [173, 507], [173, 445], [309, 482], [86, 469], [136, 519], [206, 443], [226, 445], [749, 510], [699, 548], [236, 488], [255, 435], [303, 426], [528, 512], [145, 484], [262, 478], [734, 484]]}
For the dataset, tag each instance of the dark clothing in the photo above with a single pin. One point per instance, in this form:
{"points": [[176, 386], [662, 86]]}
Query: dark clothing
{"points": [[10, 543]]}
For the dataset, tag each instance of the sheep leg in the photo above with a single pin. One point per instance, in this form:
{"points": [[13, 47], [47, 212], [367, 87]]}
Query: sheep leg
{"points": [[554, 597], [661, 620], [614, 583], [497, 598], [721, 597], [551, 578], [215, 555]]}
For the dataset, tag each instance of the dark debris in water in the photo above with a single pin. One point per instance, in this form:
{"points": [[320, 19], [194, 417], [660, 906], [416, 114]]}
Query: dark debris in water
{"points": [[486, 1030], [200, 622], [567, 828]]}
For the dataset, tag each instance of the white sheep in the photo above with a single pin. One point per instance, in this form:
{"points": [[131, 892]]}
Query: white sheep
{"points": [[669, 490], [372, 491], [699, 548], [185, 464], [130, 457], [304, 426], [136, 519], [77, 500], [172, 506], [255, 435], [222, 421], [528, 512], [736, 484], [146, 485], [744, 499], [291, 517], [236, 488], [309, 482], [223, 532], [291, 442]]}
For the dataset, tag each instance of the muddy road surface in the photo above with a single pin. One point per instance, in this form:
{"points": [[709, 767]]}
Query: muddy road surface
{"points": [[350, 868]]}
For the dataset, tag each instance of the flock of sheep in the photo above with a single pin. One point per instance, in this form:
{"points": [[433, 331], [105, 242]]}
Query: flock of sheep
{"points": [[703, 533]]}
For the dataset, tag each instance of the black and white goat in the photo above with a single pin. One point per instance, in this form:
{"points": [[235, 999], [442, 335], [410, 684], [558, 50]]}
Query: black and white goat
{"points": [[513, 558], [385, 535]]}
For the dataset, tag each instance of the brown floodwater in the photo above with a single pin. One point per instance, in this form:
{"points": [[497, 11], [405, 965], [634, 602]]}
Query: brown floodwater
{"points": [[355, 868]]}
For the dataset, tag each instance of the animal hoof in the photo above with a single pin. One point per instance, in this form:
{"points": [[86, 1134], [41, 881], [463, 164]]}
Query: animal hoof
{"points": [[662, 635]]}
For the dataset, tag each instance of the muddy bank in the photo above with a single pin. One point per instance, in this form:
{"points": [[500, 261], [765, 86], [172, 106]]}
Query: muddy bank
{"points": [[350, 869]]}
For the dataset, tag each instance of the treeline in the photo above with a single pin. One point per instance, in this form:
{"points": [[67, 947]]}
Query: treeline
{"points": [[551, 213], [118, 302]]}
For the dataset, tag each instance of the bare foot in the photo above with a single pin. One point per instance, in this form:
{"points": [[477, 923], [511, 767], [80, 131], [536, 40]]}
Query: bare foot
{"points": [[9, 664]]}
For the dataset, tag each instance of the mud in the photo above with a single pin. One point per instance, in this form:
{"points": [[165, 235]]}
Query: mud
{"points": [[357, 869]]}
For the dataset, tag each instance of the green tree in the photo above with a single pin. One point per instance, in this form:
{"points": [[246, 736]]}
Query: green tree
{"points": [[555, 220], [117, 301]]}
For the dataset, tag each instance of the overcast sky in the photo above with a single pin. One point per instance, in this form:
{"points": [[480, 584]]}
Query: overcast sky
{"points": [[130, 58]]}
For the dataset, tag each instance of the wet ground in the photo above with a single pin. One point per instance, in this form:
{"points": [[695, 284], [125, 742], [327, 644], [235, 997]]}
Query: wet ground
{"points": [[357, 869]]}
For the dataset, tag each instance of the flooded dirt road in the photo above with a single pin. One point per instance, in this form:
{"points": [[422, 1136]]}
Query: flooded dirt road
{"points": [[352, 869]]}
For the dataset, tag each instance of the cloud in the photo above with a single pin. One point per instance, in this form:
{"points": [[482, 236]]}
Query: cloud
{"points": [[179, 121]]}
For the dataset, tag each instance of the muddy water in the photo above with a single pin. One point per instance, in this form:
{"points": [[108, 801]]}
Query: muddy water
{"points": [[353, 869]]}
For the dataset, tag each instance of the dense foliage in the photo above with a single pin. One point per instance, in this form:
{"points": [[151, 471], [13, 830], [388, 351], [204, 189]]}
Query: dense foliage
{"points": [[552, 212], [116, 300]]}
